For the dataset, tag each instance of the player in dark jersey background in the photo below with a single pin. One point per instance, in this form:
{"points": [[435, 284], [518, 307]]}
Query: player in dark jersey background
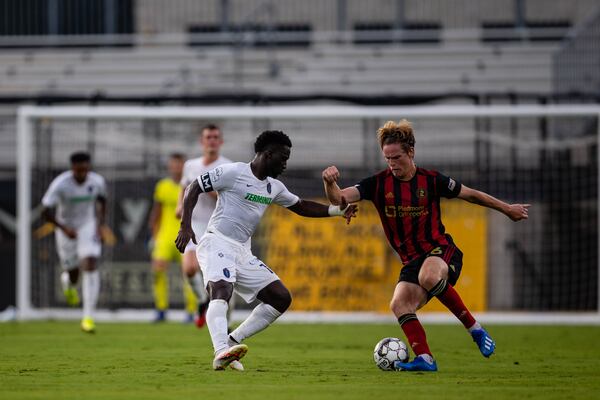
{"points": [[407, 199]]}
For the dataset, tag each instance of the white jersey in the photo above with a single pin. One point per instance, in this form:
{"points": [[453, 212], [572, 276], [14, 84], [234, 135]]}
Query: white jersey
{"points": [[76, 203], [192, 169], [243, 199]]}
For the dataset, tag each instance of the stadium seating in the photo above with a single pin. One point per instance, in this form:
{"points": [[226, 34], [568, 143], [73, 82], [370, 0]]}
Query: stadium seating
{"points": [[347, 69]]}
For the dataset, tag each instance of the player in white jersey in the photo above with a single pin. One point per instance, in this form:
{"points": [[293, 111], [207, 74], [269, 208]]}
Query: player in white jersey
{"points": [[211, 140], [79, 196], [245, 192]]}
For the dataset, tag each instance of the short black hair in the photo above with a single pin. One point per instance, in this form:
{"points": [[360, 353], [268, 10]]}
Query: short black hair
{"points": [[268, 139], [178, 156], [210, 127], [80, 157]]}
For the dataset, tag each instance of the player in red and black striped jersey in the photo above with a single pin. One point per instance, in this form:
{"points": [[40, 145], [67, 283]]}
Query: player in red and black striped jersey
{"points": [[407, 199]]}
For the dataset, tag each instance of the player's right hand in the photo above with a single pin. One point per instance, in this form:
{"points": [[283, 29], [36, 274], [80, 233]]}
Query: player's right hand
{"points": [[331, 174], [350, 210], [517, 212], [183, 238], [70, 232]]}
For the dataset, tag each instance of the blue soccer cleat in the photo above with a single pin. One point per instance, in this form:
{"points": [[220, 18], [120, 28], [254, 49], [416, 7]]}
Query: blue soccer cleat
{"points": [[418, 364], [484, 341]]}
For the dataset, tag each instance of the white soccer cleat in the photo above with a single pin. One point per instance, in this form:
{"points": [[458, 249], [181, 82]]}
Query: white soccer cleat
{"points": [[236, 366], [226, 357]]}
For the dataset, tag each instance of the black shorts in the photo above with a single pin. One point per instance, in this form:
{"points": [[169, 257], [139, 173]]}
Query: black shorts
{"points": [[449, 253]]}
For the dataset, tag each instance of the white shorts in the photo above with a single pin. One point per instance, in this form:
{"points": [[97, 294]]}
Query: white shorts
{"points": [[199, 230], [190, 247], [224, 259], [71, 251]]}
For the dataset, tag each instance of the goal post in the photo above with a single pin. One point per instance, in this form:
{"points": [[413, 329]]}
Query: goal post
{"points": [[503, 149]]}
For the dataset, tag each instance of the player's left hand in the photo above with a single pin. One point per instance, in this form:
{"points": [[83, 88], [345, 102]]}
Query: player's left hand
{"points": [[517, 212], [349, 210], [183, 238], [106, 235]]}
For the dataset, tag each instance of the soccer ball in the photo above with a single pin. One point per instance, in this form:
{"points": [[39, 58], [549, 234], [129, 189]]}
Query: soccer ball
{"points": [[389, 350]]}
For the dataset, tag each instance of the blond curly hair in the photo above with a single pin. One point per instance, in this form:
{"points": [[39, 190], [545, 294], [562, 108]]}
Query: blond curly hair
{"points": [[397, 132]]}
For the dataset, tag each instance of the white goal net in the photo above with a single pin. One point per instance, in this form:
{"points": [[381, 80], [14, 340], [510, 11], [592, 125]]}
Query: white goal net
{"points": [[543, 155]]}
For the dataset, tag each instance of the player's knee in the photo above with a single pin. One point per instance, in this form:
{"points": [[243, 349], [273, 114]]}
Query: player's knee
{"points": [[281, 299], [400, 306], [276, 295], [159, 266], [88, 264], [428, 278], [221, 290], [285, 300]]}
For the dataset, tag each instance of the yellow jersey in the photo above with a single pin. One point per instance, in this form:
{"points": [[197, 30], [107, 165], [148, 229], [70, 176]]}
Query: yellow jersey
{"points": [[166, 193]]}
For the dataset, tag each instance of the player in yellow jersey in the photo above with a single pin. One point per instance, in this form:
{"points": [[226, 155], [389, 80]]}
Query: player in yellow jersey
{"points": [[165, 225]]}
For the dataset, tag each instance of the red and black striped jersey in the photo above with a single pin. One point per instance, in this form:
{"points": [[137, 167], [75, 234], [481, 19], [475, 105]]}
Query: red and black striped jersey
{"points": [[410, 210]]}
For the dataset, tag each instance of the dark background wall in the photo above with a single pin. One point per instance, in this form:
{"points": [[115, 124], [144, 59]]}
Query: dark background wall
{"points": [[7, 246]]}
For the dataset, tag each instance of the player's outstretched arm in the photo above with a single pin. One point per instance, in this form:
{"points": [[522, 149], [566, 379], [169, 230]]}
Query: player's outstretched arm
{"points": [[332, 190], [185, 231], [312, 209], [516, 212]]}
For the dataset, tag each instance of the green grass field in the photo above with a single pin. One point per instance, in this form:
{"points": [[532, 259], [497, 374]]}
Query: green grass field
{"points": [[54, 360]]}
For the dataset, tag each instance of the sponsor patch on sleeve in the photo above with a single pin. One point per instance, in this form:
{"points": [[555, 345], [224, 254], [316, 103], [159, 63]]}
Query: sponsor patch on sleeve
{"points": [[218, 173]]}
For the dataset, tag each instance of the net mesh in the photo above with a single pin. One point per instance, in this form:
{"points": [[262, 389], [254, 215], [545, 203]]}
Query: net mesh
{"points": [[549, 262]]}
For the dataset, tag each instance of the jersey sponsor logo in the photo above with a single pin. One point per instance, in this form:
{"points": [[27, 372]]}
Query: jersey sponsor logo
{"points": [[400, 211], [81, 199], [256, 198], [206, 182], [451, 184]]}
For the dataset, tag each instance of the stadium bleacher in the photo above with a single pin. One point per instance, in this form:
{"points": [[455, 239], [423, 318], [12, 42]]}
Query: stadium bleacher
{"points": [[350, 69]]}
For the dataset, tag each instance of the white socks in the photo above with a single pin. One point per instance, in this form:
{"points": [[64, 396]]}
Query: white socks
{"points": [[427, 357], [261, 317], [91, 290], [475, 326], [216, 319], [197, 284], [231, 307], [65, 281]]}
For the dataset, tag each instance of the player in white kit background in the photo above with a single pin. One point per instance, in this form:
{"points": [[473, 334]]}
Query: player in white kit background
{"points": [[245, 191], [75, 203], [211, 140]]}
